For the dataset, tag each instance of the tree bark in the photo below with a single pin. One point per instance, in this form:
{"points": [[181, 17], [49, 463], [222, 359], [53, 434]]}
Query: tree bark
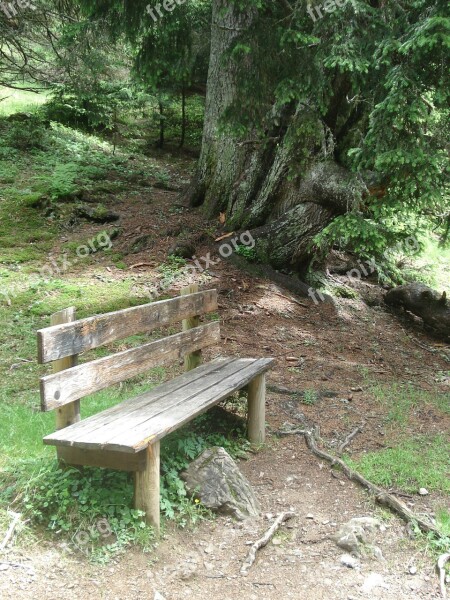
{"points": [[183, 116], [161, 125], [282, 189]]}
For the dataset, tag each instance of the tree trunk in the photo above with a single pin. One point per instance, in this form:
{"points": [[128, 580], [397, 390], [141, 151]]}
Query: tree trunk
{"points": [[183, 116], [285, 193], [161, 125], [221, 158]]}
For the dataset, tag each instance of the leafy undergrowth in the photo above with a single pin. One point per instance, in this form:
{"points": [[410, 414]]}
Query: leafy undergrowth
{"points": [[88, 510]]}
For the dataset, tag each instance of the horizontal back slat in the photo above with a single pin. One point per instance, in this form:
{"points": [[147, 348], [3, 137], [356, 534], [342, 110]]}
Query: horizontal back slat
{"points": [[73, 338], [69, 385]]}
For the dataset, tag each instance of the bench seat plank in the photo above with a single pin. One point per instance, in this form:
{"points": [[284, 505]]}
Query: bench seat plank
{"points": [[132, 425], [100, 420]]}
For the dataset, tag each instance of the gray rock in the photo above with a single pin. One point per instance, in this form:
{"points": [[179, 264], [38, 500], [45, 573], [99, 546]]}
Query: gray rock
{"points": [[182, 250], [372, 581], [349, 561], [142, 243], [99, 214], [355, 536], [376, 552], [216, 481]]}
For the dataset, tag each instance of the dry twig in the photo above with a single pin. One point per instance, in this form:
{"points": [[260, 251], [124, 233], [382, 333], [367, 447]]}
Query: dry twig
{"points": [[251, 557], [9, 533], [349, 438]]}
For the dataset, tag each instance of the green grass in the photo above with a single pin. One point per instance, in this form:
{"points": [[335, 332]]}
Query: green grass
{"points": [[443, 518], [15, 101], [414, 463], [432, 266], [402, 400]]}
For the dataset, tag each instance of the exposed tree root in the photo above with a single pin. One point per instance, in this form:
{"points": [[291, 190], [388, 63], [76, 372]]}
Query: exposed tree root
{"points": [[349, 438], [381, 496]]}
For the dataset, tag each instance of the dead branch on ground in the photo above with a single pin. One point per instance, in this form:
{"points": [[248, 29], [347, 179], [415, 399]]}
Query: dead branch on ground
{"points": [[251, 557]]}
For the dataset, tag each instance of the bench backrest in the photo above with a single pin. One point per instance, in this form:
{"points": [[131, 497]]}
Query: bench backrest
{"points": [[70, 339]]}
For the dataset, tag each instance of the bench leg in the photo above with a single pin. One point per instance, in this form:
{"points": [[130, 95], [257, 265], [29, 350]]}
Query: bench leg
{"points": [[256, 424], [146, 487]]}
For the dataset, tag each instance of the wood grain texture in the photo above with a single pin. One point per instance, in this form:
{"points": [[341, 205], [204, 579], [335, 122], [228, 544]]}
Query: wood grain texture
{"points": [[133, 430], [120, 461], [70, 413], [73, 338], [69, 385], [147, 485], [108, 424], [191, 361], [256, 420], [159, 394]]}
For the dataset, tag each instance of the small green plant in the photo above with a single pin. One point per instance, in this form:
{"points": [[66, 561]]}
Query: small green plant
{"points": [[246, 252], [170, 269], [437, 545], [309, 397], [342, 291], [162, 179]]}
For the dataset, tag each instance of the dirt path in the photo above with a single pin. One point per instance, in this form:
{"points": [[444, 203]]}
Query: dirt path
{"points": [[302, 564], [334, 351]]}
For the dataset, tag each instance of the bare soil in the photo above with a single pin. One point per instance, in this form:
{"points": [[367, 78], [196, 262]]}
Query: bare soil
{"points": [[335, 351]]}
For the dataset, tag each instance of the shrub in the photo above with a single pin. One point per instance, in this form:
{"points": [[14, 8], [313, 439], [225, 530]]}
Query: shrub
{"points": [[26, 133]]}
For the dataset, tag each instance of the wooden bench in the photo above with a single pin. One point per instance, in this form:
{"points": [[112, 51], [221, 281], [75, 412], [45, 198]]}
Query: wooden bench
{"points": [[126, 436]]}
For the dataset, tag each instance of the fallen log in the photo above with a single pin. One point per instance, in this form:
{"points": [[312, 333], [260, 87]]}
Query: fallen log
{"points": [[433, 308], [251, 557]]}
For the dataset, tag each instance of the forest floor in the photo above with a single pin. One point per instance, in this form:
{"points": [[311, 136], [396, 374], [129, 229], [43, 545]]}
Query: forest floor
{"points": [[342, 366]]}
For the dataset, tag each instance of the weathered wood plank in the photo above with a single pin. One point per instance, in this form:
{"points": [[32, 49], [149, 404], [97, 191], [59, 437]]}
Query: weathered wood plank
{"points": [[73, 338], [72, 384], [121, 461], [256, 420], [191, 361], [135, 431], [174, 417], [160, 398], [70, 413], [146, 487], [103, 433]]}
